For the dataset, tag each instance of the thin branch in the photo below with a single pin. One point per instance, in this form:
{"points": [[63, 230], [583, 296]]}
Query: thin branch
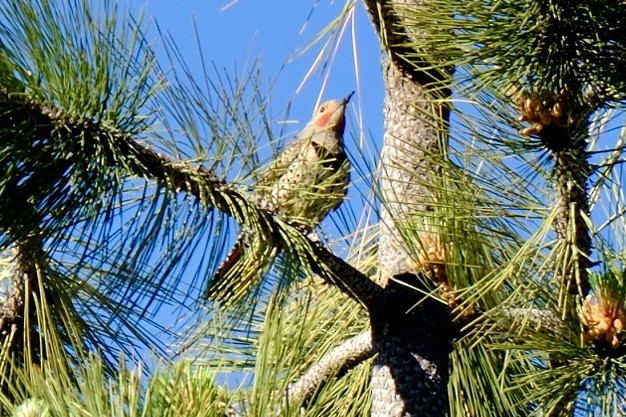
{"points": [[336, 362], [537, 317], [505, 319]]}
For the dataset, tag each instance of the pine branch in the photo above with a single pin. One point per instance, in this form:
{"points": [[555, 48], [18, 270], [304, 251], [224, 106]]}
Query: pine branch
{"points": [[539, 318], [571, 171], [123, 151], [565, 136], [336, 362], [347, 278]]}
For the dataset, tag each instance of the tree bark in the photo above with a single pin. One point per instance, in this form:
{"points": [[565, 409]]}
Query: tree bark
{"points": [[410, 374], [19, 326], [571, 172], [337, 361]]}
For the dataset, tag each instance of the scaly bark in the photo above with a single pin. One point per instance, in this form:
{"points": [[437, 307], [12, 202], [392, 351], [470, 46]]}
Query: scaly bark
{"points": [[410, 374], [568, 148], [411, 370], [18, 309], [337, 361]]}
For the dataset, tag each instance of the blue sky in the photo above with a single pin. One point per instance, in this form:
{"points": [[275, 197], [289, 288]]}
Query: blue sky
{"points": [[276, 31]]}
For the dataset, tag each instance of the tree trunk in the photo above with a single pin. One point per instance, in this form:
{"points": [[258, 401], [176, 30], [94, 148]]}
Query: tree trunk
{"points": [[410, 374]]}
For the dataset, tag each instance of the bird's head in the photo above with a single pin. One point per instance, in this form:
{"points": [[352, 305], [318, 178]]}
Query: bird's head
{"points": [[330, 115]]}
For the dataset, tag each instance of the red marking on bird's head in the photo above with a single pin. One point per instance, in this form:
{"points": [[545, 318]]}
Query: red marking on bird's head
{"points": [[323, 119], [324, 114]]}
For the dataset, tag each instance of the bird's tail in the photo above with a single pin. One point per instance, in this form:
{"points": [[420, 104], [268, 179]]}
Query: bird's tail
{"points": [[242, 270], [220, 282]]}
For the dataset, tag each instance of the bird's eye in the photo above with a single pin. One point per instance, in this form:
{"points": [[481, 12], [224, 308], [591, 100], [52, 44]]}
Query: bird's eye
{"points": [[322, 109]]}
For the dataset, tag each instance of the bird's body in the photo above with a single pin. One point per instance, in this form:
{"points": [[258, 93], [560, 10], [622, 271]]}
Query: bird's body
{"points": [[307, 180]]}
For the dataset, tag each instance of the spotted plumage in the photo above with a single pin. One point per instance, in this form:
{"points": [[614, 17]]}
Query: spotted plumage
{"points": [[307, 181], [304, 183]]}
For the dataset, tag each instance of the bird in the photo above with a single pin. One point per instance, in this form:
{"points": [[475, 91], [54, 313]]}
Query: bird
{"points": [[307, 180]]}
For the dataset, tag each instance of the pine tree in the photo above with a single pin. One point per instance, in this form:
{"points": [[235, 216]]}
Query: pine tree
{"points": [[489, 283]]}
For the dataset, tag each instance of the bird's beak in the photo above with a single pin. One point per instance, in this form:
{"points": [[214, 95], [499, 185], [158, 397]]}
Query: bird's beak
{"points": [[348, 97]]}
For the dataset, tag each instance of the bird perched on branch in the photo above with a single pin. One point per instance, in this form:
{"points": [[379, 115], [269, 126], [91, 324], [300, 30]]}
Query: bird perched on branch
{"points": [[308, 180]]}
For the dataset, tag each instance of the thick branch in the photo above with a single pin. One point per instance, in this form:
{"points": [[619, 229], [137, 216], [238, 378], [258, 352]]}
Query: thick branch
{"points": [[200, 182], [27, 254], [336, 362], [348, 279]]}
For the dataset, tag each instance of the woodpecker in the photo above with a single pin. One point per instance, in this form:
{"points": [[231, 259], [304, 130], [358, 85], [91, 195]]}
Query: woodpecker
{"points": [[307, 181]]}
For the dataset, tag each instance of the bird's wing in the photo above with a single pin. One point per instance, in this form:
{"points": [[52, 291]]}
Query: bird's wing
{"points": [[278, 167]]}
